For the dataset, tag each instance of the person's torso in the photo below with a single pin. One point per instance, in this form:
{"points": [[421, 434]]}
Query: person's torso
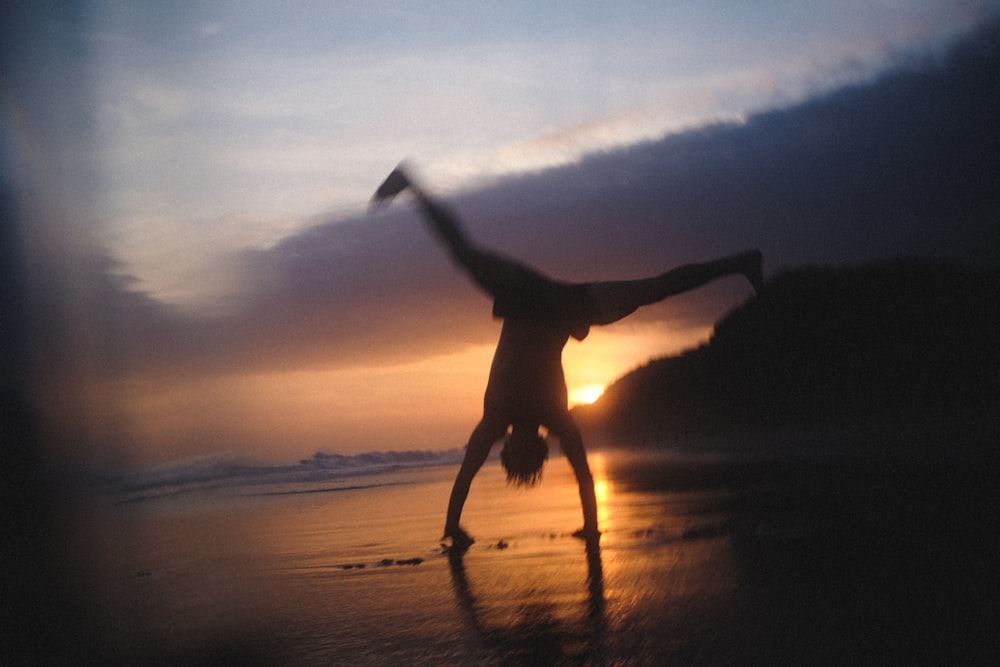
{"points": [[527, 376]]}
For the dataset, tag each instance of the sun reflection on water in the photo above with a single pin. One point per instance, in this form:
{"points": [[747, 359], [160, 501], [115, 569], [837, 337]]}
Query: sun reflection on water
{"points": [[602, 489]]}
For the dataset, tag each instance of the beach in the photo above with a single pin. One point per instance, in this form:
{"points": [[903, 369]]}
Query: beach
{"points": [[719, 560]]}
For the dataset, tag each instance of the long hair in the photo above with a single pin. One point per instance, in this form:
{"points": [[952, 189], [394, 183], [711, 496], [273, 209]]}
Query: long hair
{"points": [[523, 454]]}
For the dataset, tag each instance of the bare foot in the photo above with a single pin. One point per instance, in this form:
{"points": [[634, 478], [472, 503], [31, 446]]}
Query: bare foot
{"points": [[394, 183]]}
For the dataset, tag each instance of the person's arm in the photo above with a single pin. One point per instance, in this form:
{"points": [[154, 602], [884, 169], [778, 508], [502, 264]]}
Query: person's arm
{"points": [[476, 453], [571, 443]]}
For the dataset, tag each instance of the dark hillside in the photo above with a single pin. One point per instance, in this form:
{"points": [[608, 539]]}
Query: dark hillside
{"points": [[900, 344]]}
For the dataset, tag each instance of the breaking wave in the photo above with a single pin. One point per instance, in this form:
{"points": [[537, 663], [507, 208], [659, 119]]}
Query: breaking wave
{"points": [[323, 472]]}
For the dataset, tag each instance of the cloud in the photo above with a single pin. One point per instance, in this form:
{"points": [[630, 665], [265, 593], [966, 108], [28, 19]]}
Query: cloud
{"points": [[286, 113], [904, 165]]}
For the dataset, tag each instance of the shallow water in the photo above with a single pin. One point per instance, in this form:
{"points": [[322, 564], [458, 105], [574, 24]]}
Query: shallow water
{"points": [[734, 569]]}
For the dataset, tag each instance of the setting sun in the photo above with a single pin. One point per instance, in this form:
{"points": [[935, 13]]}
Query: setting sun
{"points": [[586, 394]]}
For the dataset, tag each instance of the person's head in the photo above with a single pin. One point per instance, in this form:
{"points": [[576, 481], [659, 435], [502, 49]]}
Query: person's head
{"points": [[523, 454]]}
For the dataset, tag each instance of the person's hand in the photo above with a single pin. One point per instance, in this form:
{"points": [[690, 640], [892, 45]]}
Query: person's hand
{"points": [[460, 540], [588, 534]]}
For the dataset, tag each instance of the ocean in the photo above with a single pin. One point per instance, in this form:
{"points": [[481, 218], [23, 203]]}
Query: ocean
{"points": [[723, 560]]}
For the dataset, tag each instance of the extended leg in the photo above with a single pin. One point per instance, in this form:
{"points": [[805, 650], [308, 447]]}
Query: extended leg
{"points": [[442, 222], [492, 272], [480, 442], [614, 300]]}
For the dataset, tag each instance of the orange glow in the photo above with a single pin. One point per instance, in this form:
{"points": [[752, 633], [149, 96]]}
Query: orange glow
{"points": [[608, 353], [586, 394], [602, 489], [432, 403], [429, 403]]}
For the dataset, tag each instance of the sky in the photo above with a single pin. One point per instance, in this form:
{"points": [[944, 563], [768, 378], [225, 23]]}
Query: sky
{"points": [[190, 182]]}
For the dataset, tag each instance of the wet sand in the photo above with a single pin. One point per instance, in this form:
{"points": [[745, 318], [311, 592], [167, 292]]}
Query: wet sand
{"points": [[834, 560]]}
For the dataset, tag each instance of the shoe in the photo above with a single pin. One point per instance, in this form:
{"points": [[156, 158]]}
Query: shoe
{"points": [[394, 183]]}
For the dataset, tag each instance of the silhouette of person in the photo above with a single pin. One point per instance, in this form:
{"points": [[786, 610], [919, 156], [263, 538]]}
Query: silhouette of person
{"points": [[526, 387]]}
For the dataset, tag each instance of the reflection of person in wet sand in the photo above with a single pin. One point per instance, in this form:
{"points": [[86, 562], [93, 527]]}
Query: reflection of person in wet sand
{"points": [[526, 387], [539, 632]]}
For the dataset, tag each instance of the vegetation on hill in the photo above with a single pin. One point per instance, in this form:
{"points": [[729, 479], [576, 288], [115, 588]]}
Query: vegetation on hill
{"points": [[901, 345]]}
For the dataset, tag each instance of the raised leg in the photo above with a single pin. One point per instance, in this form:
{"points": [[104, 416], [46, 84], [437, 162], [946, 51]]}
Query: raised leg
{"points": [[493, 272], [614, 300]]}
